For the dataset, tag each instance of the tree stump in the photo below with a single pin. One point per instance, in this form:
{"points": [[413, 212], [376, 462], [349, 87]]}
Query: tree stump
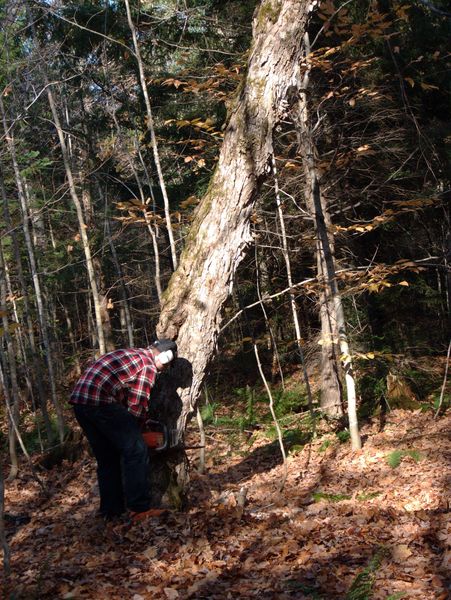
{"points": [[169, 469]]}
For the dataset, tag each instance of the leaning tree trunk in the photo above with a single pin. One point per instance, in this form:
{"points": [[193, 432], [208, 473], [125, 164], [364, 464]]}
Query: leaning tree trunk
{"points": [[220, 233]]}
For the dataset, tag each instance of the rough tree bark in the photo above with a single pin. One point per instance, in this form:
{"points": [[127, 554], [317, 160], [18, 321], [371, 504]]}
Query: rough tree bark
{"points": [[220, 233]]}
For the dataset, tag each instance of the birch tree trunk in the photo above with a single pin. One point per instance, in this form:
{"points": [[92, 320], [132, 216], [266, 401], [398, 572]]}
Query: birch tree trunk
{"points": [[37, 367], [81, 221], [220, 233], [65, 153], [294, 309], [43, 321], [153, 138]]}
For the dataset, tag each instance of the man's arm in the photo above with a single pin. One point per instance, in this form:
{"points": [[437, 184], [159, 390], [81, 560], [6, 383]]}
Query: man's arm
{"points": [[139, 392]]}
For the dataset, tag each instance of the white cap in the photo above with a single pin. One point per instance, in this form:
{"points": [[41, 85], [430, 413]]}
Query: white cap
{"points": [[165, 357]]}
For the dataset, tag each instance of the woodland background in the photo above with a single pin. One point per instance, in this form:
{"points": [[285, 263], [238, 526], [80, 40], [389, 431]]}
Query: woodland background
{"points": [[112, 120]]}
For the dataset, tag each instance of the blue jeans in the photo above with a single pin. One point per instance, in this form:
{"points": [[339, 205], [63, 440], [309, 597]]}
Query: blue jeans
{"points": [[122, 457]]}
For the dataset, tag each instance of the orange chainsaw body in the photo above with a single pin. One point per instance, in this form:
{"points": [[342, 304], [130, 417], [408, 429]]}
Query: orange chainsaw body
{"points": [[154, 439]]}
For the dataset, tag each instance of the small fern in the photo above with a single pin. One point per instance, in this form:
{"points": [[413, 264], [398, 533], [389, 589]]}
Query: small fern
{"points": [[415, 455], [394, 459], [362, 586]]}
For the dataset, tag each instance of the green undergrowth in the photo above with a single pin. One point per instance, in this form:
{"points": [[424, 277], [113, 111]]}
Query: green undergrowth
{"points": [[307, 591], [328, 497], [34, 436], [394, 458], [362, 586], [247, 408], [320, 496], [244, 416], [419, 385]]}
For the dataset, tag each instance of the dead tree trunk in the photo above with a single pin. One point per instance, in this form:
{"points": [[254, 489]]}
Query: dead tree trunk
{"points": [[220, 233], [333, 324]]}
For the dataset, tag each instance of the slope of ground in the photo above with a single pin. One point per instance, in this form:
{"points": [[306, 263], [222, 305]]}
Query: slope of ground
{"points": [[342, 515]]}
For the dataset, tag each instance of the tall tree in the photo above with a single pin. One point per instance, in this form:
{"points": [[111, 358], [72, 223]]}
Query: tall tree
{"points": [[220, 232]]}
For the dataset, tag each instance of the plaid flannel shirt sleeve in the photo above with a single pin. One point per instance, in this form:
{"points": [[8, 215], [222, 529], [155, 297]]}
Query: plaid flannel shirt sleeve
{"points": [[139, 392]]}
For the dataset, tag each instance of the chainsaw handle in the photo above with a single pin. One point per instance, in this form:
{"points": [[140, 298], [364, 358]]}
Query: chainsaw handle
{"points": [[165, 439]]}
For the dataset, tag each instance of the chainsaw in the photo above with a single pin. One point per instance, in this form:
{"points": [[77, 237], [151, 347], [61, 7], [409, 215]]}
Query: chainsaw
{"points": [[159, 437]]}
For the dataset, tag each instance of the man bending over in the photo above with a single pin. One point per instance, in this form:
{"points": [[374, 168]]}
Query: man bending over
{"points": [[110, 401]]}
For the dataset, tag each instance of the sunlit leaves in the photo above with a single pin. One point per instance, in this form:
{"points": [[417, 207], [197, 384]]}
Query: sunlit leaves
{"points": [[190, 201], [403, 206], [197, 123]]}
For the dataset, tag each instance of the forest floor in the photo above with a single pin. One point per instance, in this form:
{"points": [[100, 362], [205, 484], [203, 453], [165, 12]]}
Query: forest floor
{"points": [[347, 525]]}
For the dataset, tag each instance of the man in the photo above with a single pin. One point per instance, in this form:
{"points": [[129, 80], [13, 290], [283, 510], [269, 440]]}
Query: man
{"points": [[110, 402]]}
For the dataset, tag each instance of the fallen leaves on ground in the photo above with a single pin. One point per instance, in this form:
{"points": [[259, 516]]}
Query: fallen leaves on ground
{"points": [[242, 537]]}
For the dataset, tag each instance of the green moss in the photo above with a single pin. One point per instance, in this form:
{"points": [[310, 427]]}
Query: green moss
{"points": [[367, 496], [269, 10], [318, 496], [324, 446], [175, 495]]}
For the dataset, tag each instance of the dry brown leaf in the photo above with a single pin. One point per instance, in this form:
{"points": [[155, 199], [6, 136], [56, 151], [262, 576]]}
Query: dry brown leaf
{"points": [[151, 552], [400, 553], [211, 576]]}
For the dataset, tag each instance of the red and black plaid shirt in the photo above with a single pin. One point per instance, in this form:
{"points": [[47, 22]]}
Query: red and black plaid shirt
{"points": [[123, 376]]}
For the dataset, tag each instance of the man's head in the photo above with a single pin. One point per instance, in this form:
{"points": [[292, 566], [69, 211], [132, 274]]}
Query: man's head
{"points": [[164, 352]]}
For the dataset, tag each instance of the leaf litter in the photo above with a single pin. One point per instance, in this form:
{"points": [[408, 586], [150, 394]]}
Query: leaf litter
{"points": [[243, 538]]}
